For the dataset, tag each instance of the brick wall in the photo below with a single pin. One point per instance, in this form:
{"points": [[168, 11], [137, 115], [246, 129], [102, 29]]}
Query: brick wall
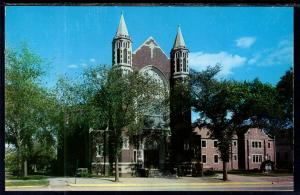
{"points": [[257, 143], [210, 151], [143, 57]]}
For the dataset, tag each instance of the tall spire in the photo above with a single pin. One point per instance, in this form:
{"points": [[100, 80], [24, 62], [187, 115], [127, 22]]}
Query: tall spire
{"points": [[122, 29], [179, 41]]}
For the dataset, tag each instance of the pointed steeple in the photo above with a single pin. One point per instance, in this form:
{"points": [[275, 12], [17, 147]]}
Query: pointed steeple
{"points": [[122, 29], [179, 41]]}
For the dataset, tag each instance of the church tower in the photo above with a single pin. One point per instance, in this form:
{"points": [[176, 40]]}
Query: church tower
{"points": [[122, 48], [179, 57], [180, 110]]}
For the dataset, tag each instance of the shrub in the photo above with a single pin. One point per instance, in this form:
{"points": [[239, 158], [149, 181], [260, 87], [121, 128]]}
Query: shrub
{"points": [[209, 172]]}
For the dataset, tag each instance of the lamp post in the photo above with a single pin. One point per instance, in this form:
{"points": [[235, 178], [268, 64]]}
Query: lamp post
{"points": [[104, 147]]}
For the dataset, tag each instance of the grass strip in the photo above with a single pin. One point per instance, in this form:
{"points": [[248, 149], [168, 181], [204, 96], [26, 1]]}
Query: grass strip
{"points": [[42, 182]]}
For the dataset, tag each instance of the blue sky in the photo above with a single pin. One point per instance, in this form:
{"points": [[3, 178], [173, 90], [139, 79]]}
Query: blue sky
{"points": [[248, 42]]}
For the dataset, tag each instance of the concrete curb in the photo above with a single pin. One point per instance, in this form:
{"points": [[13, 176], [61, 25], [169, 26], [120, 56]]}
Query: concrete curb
{"points": [[170, 184]]}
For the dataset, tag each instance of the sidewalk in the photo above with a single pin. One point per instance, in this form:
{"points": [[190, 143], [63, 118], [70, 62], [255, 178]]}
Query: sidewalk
{"points": [[235, 183], [233, 179]]}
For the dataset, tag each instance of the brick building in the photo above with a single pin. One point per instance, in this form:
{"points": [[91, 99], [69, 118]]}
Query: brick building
{"points": [[247, 152], [149, 59], [210, 156]]}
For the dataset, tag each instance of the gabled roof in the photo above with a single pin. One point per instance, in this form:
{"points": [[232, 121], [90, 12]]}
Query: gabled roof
{"points": [[179, 41], [122, 29], [146, 44]]}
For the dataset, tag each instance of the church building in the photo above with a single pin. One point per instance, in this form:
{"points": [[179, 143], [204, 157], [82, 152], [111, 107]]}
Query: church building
{"points": [[169, 140], [154, 151]]}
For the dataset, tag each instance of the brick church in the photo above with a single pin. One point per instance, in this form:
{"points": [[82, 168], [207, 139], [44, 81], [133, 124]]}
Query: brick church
{"points": [[167, 139]]}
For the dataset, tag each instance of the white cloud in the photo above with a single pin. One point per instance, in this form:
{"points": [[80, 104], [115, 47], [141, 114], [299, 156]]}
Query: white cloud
{"points": [[84, 64], [245, 42], [92, 60], [200, 61], [282, 54], [73, 66]]}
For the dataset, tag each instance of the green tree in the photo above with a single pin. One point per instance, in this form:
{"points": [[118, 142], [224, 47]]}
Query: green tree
{"points": [[106, 99], [285, 90], [27, 103], [214, 100], [124, 99], [227, 107]]}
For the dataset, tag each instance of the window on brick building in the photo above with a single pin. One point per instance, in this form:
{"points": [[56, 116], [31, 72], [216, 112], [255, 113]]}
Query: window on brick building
{"points": [[256, 158], [216, 158], [269, 145], [256, 144], [100, 150], [125, 143], [203, 143], [234, 157], [215, 143], [234, 143], [135, 156], [203, 158]]}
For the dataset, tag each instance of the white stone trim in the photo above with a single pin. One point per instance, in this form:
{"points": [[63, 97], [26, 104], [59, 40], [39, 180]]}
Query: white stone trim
{"points": [[262, 156], [256, 140]]}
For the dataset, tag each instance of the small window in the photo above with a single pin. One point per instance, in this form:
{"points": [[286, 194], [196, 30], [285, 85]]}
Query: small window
{"points": [[269, 145], [203, 143], [125, 143], [216, 158], [134, 156], [204, 158], [234, 157], [100, 150], [215, 143], [140, 154], [234, 143]]}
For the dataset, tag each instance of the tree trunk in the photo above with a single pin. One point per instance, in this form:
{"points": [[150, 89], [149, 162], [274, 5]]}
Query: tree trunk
{"points": [[225, 177], [20, 167], [116, 167], [25, 168]]}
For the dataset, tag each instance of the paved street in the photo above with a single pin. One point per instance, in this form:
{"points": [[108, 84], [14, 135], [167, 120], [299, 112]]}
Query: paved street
{"points": [[235, 183]]}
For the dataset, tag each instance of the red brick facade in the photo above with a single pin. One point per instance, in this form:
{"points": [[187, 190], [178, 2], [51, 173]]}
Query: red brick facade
{"points": [[210, 150], [258, 147], [149, 53]]}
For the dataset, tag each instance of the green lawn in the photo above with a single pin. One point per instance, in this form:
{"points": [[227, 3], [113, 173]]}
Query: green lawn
{"points": [[42, 182], [29, 177]]}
